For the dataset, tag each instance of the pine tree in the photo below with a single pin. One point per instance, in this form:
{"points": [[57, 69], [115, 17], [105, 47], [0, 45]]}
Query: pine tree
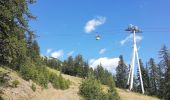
{"points": [[33, 50], [145, 78], [99, 73], [161, 82], [165, 68], [14, 17], [78, 65], [85, 69], [153, 77], [121, 73], [68, 67]]}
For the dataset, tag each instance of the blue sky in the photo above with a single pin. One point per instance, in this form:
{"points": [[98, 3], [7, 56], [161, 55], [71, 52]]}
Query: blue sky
{"points": [[61, 27]]}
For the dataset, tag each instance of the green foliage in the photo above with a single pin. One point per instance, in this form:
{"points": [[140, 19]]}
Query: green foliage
{"points": [[153, 77], [58, 82], [18, 48], [156, 77], [15, 83], [42, 80], [53, 63], [145, 78], [4, 78], [165, 73], [64, 84], [14, 26], [75, 66], [91, 89], [33, 87], [121, 73], [99, 73], [28, 70]]}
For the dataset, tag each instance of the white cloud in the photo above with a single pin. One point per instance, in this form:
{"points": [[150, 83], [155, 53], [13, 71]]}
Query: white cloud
{"points": [[70, 53], [93, 23], [108, 63], [57, 54], [42, 55], [48, 51], [102, 51], [130, 37]]}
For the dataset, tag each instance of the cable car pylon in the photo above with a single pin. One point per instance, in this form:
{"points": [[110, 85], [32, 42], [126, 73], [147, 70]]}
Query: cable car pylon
{"points": [[134, 29]]}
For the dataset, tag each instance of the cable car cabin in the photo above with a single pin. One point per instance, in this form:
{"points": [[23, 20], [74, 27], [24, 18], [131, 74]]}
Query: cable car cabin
{"points": [[97, 37]]}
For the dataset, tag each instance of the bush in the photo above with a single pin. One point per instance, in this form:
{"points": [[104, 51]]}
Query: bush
{"points": [[41, 75], [58, 82], [4, 78], [15, 83], [33, 87], [63, 82], [28, 70], [90, 89], [53, 78], [42, 80]]}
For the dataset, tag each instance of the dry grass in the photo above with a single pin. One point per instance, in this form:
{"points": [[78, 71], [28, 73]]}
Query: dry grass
{"points": [[24, 92], [126, 95], [68, 94]]}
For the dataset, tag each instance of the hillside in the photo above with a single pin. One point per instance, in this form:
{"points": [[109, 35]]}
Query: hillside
{"points": [[24, 91], [125, 95]]}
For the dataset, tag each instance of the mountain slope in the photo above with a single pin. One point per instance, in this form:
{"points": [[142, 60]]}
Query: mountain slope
{"points": [[24, 91], [126, 95], [68, 94]]}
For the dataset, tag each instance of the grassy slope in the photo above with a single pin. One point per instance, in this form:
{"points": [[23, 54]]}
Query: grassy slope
{"points": [[24, 91], [125, 95], [68, 94]]}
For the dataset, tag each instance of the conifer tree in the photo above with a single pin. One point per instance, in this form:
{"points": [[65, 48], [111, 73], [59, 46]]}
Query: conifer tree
{"points": [[68, 67], [14, 17], [153, 77], [145, 78], [78, 64], [99, 73], [85, 69], [165, 68], [121, 73]]}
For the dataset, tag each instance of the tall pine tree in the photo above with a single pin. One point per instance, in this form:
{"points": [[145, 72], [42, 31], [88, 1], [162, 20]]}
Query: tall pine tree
{"points": [[153, 77], [14, 17], [165, 68], [145, 78], [121, 73]]}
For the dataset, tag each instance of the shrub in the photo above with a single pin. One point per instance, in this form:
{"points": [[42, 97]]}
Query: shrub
{"points": [[58, 82], [33, 87], [64, 84], [4, 78], [41, 75], [15, 83], [42, 80], [90, 89], [53, 78], [28, 70]]}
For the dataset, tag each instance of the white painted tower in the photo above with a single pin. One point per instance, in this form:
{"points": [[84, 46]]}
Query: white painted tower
{"points": [[134, 29]]}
